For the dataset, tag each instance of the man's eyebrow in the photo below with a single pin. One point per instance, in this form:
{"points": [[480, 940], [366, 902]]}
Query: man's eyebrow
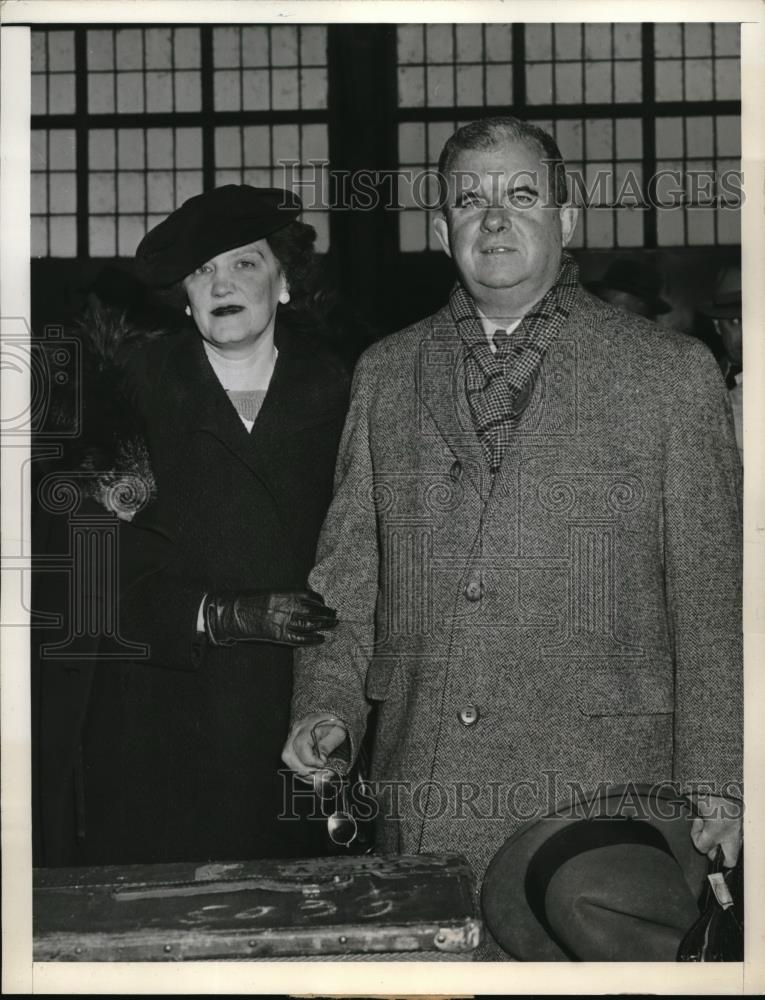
{"points": [[522, 187]]}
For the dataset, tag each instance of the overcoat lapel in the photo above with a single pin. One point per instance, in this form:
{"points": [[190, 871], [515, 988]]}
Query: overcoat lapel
{"points": [[440, 384], [292, 403]]}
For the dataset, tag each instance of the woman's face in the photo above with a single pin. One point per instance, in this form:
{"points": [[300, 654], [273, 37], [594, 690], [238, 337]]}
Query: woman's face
{"points": [[233, 297]]}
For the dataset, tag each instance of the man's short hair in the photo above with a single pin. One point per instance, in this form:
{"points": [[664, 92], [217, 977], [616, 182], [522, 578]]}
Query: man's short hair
{"points": [[487, 133]]}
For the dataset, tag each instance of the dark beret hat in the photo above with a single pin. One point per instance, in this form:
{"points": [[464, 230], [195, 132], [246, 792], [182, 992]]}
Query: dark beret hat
{"points": [[209, 224]]}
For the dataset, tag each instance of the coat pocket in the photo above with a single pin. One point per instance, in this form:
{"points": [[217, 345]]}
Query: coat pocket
{"points": [[626, 689], [379, 675]]}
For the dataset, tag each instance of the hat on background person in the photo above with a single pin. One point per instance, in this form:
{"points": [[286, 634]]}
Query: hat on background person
{"points": [[633, 284], [613, 878], [725, 302], [210, 224]]}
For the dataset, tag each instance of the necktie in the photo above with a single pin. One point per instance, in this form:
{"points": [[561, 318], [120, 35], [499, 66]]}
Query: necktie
{"points": [[503, 343]]}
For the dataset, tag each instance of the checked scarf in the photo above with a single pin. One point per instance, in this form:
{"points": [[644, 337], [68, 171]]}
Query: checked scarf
{"points": [[498, 386]]}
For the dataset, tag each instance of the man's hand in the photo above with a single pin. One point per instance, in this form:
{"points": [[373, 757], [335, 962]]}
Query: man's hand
{"points": [[719, 822], [285, 617], [310, 743]]}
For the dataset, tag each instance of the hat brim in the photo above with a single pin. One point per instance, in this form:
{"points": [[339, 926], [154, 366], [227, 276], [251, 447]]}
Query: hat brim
{"points": [[507, 911], [656, 305]]}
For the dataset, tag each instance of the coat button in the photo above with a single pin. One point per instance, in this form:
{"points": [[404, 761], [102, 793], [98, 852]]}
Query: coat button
{"points": [[469, 715], [456, 471], [473, 590]]}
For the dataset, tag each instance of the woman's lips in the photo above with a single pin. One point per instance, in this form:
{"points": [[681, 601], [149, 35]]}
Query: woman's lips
{"points": [[226, 310]]}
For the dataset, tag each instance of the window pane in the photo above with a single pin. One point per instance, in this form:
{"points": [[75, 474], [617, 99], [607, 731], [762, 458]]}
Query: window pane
{"points": [[103, 196], [256, 95], [188, 91], [410, 45], [669, 80], [285, 89], [597, 41], [727, 39], [100, 93], [130, 147], [129, 49], [62, 149], [698, 79], [130, 92], [597, 78], [284, 46], [159, 91], [225, 47], [102, 237], [226, 89], [411, 87], [727, 79], [100, 49], [469, 43], [314, 88], [63, 236], [499, 43], [568, 82], [313, 45], [438, 38], [629, 138], [186, 49], [627, 41], [470, 85], [628, 81], [539, 83], [228, 150], [538, 41], [60, 50], [698, 39], [600, 135], [700, 139], [158, 48], [61, 94]]}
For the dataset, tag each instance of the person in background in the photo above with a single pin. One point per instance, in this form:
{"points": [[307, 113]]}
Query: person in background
{"points": [[221, 489], [632, 284], [533, 489], [724, 310]]}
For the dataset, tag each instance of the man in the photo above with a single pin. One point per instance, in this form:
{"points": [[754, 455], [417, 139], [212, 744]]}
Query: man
{"points": [[534, 543], [634, 285], [725, 312]]}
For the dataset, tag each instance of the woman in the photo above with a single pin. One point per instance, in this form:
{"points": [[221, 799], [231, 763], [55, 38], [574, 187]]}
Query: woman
{"points": [[180, 751]]}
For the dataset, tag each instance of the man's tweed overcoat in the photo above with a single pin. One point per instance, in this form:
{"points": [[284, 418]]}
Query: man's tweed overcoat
{"points": [[578, 621]]}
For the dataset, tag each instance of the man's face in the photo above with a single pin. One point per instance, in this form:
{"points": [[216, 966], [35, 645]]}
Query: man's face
{"points": [[731, 333], [233, 297], [502, 228]]}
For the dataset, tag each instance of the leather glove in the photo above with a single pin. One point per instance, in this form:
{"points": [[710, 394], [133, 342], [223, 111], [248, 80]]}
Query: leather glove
{"points": [[286, 617]]}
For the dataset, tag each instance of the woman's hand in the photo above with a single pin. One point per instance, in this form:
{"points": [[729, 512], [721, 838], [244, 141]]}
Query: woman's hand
{"points": [[286, 617]]}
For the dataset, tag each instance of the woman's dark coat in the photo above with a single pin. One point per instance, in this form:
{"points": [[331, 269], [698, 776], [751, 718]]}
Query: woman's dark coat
{"points": [[177, 757]]}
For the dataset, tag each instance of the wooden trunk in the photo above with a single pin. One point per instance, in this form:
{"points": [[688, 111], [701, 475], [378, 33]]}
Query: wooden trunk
{"points": [[423, 906]]}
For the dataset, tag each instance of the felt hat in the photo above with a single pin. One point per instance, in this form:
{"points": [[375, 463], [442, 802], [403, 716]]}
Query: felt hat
{"points": [[726, 297], [209, 224], [611, 878], [636, 278]]}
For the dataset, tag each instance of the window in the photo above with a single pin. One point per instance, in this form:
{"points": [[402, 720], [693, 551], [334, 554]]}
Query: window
{"points": [[112, 91], [647, 118]]}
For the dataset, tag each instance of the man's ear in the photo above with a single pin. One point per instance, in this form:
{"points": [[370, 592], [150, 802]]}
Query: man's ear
{"points": [[569, 216], [441, 227]]}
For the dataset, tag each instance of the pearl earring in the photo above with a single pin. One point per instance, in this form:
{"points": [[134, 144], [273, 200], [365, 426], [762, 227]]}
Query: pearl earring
{"points": [[187, 310], [284, 297]]}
